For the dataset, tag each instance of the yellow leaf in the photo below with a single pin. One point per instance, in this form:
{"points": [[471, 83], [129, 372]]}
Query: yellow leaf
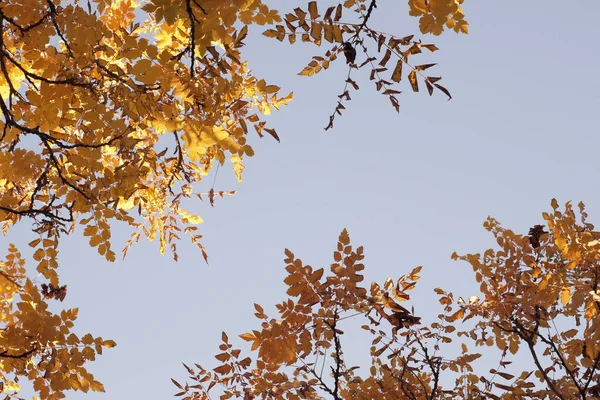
{"points": [[97, 386], [95, 240], [414, 274], [142, 66], [238, 167], [461, 26], [427, 24], [544, 283], [248, 337], [90, 230], [12, 386], [417, 7], [442, 8], [591, 309]]}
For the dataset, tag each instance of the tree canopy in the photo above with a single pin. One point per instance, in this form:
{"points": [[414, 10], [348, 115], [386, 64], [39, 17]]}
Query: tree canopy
{"points": [[540, 297], [113, 112]]}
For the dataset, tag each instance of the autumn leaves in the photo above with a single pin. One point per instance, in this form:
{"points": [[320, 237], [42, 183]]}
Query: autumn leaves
{"points": [[539, 299], [352, 39]]}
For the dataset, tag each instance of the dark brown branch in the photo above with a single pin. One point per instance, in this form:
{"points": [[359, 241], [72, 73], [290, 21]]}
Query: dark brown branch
{"points": [[372, 5], [200, 7], [322, 383], [527, 336], [192, 45], [59, 170], [592, 371], [53, 14], [31, 75], [10, 279], [179, 55], [39, 182], [25, 29], [63, 145], [6, 354], [339, 106], [563, 363], [135, 86], [8, 118], [180, 167], [338, 360], [33, 212], [406, 389], [433, 366]]}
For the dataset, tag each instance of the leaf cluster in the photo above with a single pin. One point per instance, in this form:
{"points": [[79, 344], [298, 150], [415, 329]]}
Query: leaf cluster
{"points": [[113, 113], [539, 298], [312, 27]]}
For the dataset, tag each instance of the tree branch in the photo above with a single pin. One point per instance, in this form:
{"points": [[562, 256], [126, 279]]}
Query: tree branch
{"points": [[53, 14], [338, 361], [6, 354], [528, 338], [372, 5], [192, 45]]}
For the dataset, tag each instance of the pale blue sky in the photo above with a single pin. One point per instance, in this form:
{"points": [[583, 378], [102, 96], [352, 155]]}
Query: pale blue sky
{"points": [[412, 188]]}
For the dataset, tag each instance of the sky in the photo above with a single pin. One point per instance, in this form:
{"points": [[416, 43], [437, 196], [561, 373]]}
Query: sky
{"points": [[521, 129]]}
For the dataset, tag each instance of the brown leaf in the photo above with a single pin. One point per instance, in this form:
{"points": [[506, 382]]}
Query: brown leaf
{"points": [[273, 133], [349, 52], [380, 42], [317, 32], [313, 11], [395, 102], [386, 58], [412, 78], [535, 234], [328, 13], [338, 13], [397, 74], [223, 369], [443, 89], [429, 86], [176, 383], [211, 197], [414, 49], [430, 47], [423, 67], [353, 83]]}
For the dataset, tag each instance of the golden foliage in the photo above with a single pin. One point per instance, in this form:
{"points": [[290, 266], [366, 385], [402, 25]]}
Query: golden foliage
{"points": [[114, 112], [539, 298], [434, 15]]}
